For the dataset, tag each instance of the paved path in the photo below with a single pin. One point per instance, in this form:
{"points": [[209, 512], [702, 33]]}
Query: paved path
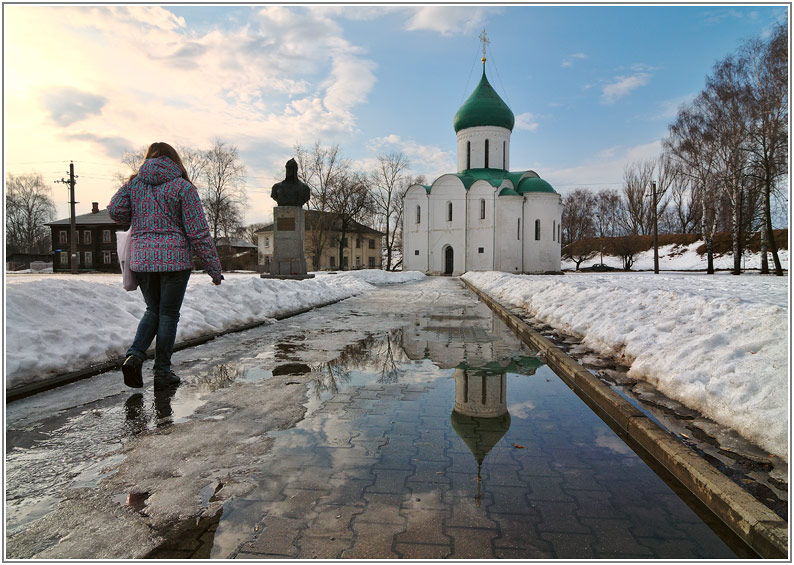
{"points": [[358, 431]]}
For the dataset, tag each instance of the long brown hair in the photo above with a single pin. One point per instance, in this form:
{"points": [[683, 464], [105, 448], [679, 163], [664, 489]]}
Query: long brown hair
{"points": [[162, 149]]}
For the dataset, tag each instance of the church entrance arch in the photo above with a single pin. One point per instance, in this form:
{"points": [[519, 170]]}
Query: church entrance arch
{"points": [[449, 260]]}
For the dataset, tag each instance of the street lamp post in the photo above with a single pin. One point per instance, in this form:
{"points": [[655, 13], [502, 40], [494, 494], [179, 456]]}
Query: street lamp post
{"points": [[655, 229], [600, 237]]}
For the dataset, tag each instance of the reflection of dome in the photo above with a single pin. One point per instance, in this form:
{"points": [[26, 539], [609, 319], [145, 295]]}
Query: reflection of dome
{"points": [[480, 434]]}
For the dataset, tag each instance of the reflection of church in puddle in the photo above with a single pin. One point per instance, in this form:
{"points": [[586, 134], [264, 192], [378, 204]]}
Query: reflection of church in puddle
{"points": [[482, 360], [480, 416]]}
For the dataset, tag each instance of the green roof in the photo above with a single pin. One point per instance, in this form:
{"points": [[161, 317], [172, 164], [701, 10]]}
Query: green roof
{"points": [[533, 184], [484, 108], [519, 180]]}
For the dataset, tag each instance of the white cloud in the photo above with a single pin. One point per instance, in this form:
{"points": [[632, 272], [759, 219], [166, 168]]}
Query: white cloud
{"points": [[622, 86], [571, 59], [526, 121], [668, 109], [427, 160], [605, 170], [449, 20]]}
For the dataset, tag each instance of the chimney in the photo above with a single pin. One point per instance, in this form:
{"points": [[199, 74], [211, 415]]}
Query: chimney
{"points": [[95, 208]]}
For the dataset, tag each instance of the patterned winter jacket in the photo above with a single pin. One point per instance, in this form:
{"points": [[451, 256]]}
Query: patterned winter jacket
{"points": [[167, 220]]}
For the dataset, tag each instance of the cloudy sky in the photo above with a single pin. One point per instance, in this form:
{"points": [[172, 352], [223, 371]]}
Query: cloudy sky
{"points": [[592, 87]]}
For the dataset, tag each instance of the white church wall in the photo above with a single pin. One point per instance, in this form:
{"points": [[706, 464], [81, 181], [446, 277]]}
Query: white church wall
{"points": [[447, 191], [498, 147], [415, 250], [509, 234], [541, 255], [480, 230]]}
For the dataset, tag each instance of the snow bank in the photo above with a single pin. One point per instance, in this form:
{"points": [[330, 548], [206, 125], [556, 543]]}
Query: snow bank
{"points": [[718, 344], [680, 258], [61, 322]]}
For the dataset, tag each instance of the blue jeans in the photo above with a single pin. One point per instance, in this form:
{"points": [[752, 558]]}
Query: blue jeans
{"points": [[163, 294]]}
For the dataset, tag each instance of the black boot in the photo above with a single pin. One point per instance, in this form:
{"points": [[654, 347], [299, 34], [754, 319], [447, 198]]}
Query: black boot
{"points": [[132, 371], [166, 381]]}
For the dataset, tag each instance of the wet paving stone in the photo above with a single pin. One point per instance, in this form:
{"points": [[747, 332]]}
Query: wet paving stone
{"points": [[482, 454]]}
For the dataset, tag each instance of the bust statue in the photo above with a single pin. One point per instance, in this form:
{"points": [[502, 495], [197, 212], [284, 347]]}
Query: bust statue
{"points": [[291, 191]]}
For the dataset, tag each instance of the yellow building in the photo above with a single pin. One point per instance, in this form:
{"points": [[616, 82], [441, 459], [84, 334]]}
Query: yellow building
{"points": [[362, 245]]}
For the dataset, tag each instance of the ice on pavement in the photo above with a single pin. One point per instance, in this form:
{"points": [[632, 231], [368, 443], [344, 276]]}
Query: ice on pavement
{"points": [[718, 344], [56, 323]]}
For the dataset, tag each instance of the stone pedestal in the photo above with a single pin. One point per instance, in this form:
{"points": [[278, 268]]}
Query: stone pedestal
{"points": [[289, 254]]}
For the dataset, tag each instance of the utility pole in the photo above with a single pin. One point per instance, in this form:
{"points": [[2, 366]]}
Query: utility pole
{"points": [[73, 236], [655, 229]]}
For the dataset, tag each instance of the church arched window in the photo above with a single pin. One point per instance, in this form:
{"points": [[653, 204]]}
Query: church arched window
{"points": [[482, 208], [418, 214], [449, 211], [559, 240], [504, 155], [486, 153], [518, 228], [468, 154], [537, 230], [553, 229]]}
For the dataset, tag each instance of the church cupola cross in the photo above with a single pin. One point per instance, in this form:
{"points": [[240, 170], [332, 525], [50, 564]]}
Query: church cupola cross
{"points": [[485, 41]]}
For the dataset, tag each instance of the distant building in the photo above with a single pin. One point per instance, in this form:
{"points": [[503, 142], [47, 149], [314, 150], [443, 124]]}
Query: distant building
{"points": [[483, 217], [96, 242], [362, 244]]}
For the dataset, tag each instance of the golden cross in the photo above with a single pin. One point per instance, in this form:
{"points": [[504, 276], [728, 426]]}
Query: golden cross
{"points": [[485, 41]]}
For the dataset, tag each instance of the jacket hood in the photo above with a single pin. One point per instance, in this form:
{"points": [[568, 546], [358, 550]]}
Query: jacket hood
{"points": [[159, 171]]}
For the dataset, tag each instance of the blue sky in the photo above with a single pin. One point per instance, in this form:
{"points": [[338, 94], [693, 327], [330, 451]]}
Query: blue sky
{"points": [[593, 88]]}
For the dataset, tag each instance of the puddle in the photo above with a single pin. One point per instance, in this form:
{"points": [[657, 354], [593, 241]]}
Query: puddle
{"points": [[443, 440]]}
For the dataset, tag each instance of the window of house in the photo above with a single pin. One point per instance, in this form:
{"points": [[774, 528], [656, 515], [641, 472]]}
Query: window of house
{"points": [[371, 262], [468, 154], [345, 262], [518, 228], [63, 238], [416, 252], [86, 236], [358, 260], [372, 244], [105, 236], [64, 257], [107, 258], [344, 242], [481, 250], [358, 243], [267, 241], [553, 230], [486, 153], [537, 230], [267, 261], [449, 211], [88, 258], [418, 214], [482, 208], [332, 261]]}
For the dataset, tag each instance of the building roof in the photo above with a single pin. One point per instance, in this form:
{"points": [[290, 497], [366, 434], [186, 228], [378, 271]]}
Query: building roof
{"points": [[521, 181], [92, 218], [484, 108], [315, 216], [235, 242]]}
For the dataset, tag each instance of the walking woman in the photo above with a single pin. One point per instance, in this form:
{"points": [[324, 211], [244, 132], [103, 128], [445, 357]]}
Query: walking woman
{"points": [[168, 227]]}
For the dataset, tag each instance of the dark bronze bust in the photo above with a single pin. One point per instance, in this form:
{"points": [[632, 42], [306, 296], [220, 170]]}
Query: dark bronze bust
{"points": [[291, 191]]}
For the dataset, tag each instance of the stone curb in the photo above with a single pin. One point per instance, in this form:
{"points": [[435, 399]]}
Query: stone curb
{"points": [[758, 526], [22, 391]]}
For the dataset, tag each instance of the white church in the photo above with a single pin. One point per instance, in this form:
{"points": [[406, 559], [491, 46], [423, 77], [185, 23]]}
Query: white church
{"points": [[484, 217]]}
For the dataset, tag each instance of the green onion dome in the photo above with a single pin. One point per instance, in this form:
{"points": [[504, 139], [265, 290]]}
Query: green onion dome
{"points": [[484, 108]]}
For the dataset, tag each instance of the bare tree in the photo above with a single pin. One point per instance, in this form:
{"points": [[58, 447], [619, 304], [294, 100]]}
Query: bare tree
{"points": [[349, 203], [637, 206], [28, 207], [388, 186], [222, 189], [578, 223], [767, 90], [323, 169], [691, 143]]}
